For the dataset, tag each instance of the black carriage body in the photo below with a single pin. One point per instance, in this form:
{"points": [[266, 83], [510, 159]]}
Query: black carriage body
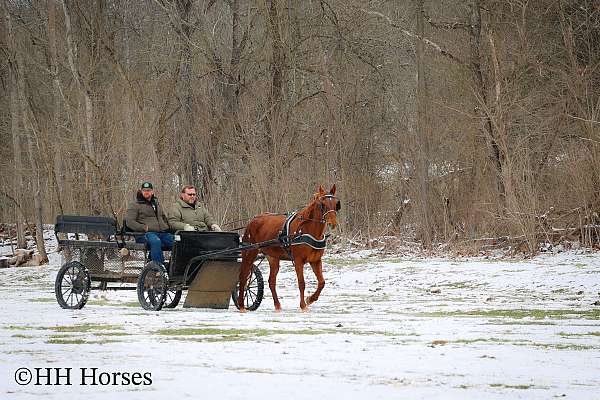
{"points": [[191, 249]]}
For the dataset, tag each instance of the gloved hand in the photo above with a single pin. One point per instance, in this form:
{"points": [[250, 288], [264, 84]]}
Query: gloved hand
{"points": [[215, 228], [188, 227]]}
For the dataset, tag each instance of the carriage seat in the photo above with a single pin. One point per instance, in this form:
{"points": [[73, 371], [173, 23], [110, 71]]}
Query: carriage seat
{"points": [[100, 231], [126, 232], [97, 229]]}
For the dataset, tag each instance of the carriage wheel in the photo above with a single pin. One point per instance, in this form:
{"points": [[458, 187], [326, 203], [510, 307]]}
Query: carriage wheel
{"points": [[152, 286], [255, 288], [173, 297], [72, 286]]}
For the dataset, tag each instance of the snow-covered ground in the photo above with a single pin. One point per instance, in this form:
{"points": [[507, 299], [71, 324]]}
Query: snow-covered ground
{"points": [[382, 329]]}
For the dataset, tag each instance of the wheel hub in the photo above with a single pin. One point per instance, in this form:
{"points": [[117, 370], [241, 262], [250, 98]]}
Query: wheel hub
{"points": [[79, 285]]}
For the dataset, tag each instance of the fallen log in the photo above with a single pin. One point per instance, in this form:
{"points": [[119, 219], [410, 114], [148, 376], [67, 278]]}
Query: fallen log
{"points": [[20, 258]]}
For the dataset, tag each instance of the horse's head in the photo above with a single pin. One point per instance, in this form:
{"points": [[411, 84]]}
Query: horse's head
{"points": [[328, 205]]}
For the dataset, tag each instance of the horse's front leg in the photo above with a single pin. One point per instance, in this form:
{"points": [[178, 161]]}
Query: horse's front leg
{"points": [[317, 267], [299, 266]]}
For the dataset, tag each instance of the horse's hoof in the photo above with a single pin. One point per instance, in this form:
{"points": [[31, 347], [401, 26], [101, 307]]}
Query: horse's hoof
{"points": [[309, 301], [304, 309], [242, 310], [278, 309]]}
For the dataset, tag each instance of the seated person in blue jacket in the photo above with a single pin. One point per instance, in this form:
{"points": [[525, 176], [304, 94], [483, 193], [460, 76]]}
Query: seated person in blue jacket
{"points": [[146, 215]]}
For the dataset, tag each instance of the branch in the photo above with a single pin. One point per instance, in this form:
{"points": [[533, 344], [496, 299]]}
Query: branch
{"points": [[408, 33], [446, 25]]}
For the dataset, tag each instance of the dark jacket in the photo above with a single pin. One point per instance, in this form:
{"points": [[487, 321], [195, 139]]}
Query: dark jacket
{"points": [[141, 214], [182, 213]]}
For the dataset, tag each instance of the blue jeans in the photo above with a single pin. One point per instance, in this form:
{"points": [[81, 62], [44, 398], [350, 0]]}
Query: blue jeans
{"points": [[157, 241]]}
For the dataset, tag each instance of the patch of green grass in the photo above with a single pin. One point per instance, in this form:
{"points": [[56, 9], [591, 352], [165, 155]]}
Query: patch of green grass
{"points": [[238, 332], [565, 334], [61, 336], [86, 328], [216, 339], [487, 340], [519, 314], [21, 336], [519, 322], [242, 334], [374, 333], [111, 334], [80, 341], [338, 262], [554, 346], [504, 386], [565, 346], [129, 304], [19, 328], [105, 302], [43, 300], [30, 352], [66, 328], [66, 341]]}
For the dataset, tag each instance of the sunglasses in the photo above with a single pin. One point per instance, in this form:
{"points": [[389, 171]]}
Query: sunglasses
{"points": [[191, 194]]}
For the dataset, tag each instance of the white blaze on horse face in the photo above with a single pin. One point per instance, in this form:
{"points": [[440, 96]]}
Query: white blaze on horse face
{"points": [[331, 214]]}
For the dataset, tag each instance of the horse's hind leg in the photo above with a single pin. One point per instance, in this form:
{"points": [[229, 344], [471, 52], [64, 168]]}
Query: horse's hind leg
{"points": [[317, 268], [248, 257], [273, 270]]}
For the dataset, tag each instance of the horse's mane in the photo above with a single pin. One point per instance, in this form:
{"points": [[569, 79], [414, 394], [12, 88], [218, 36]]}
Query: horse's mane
{"points": [[307, 212]]}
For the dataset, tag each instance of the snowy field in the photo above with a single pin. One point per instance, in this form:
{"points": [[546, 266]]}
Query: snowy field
{"points": [[382, 329]]}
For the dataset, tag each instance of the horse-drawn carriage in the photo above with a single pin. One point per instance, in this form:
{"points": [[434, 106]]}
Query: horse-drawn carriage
{"points": [[212, 266], [204, 263]]}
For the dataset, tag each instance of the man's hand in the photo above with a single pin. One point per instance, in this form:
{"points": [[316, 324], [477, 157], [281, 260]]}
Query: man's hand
{"points": [[145, 228], [188, 227], [215, 228]]}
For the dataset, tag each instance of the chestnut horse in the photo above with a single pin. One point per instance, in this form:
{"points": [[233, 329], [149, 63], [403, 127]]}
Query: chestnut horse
{"points": [[295, 244]]}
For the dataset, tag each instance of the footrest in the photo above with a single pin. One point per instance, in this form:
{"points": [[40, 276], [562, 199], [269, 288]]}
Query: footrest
{"points": [[213, 284]]}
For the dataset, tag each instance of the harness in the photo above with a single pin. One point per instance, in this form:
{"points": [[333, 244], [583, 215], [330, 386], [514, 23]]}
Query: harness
{"points": [[288, 239]]}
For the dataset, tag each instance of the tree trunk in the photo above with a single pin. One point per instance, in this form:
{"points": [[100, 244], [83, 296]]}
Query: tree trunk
{"points": [[16, 131], [482, 93], [57, 167], [277, 69], [38, 201], [88, 133], [30, 133], [422, 127]]}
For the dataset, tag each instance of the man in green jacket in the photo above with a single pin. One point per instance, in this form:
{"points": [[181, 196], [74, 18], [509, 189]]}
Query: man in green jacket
{"points": [[146, 215], [189, 215]]}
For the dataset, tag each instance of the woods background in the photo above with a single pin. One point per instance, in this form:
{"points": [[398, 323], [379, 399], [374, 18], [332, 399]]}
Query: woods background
{"points": [[445, 121]]}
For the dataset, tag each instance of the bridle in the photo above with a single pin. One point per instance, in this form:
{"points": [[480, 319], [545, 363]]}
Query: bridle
{"points": [[324, 209]]}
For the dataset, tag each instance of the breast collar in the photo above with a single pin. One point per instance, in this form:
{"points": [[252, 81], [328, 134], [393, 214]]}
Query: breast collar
{"points": [[293, 239]]}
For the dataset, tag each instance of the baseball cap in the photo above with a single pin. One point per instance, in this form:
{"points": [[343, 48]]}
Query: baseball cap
{"points": [[147, 185]]}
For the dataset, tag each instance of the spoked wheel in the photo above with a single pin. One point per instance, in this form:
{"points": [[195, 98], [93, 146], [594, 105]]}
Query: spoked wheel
{"points": [[152, 286], [72, 286], [173, 297], [255, 288]]}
